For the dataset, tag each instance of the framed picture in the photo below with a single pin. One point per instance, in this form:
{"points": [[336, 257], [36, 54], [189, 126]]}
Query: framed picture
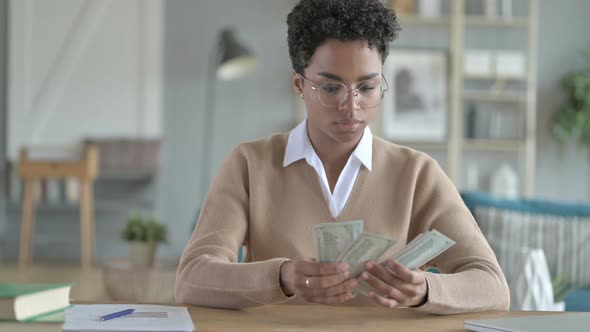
{"points": [[415, 109]]}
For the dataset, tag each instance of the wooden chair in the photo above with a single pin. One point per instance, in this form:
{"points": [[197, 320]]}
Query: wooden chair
{"points": [[86, 171]]}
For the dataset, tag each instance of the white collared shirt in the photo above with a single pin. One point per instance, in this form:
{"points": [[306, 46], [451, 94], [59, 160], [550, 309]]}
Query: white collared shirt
{"points": [[299, 147]]}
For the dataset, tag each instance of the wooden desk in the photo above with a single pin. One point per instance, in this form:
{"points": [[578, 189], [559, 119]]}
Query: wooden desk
{"points": [[311, 318]]}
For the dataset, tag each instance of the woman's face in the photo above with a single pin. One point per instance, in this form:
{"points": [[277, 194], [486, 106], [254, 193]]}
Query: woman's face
{"points": [[352, 63]]}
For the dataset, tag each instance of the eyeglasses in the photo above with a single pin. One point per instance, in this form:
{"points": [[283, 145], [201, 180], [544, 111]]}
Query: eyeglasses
{"points": [[335, 94]]}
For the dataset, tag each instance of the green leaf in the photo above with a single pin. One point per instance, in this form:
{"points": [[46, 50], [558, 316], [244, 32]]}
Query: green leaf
{"points": [[561, 288], [572, 120], [144, 229]]}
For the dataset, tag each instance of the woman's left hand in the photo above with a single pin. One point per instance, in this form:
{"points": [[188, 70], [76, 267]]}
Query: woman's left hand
{"points": [[399, 285]]}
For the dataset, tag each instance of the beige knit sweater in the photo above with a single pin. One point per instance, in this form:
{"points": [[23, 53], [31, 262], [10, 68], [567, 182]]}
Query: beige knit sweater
{"points": [[270, 209]]}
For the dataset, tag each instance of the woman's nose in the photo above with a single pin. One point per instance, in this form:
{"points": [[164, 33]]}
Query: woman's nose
{"points": [[351, 103]]}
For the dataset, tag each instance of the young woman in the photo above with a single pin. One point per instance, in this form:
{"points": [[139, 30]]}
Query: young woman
{"points": [[269, 193]]}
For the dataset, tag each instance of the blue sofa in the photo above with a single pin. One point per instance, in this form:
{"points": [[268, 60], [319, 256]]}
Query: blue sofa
{"points": [[577, 300]]}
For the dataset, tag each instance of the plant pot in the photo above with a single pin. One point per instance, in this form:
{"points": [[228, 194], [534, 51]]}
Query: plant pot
{"points": [[558, 306], [142, 253]]}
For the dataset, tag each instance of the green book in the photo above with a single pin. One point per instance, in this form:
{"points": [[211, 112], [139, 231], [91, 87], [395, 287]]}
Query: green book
{"points": [[33, 302]]}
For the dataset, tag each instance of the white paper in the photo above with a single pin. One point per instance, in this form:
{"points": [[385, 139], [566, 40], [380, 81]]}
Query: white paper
{"points": [[144, 318]]}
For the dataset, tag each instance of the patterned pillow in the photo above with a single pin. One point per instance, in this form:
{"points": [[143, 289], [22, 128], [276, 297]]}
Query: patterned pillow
{"points": [[564, 239]]}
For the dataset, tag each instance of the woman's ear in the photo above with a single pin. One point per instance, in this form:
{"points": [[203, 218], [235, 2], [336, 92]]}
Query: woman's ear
{"points": [[297, 83]]}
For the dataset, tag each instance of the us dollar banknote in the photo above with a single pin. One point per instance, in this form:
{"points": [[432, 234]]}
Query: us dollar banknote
{"points": [[424, 248], [332, 238], [366, 247]]}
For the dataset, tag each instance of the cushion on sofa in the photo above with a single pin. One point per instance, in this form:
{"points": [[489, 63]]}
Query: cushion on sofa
{"points": [[562, 230]]}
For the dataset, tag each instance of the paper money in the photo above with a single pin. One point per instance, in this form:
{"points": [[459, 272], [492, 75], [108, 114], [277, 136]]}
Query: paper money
{"points": [[418, 252], [366, 247], [411, 245], [333, 238], [429, 246]]}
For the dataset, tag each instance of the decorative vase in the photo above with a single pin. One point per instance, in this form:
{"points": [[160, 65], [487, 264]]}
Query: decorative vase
{"points": [[142, 253], [531, 289], [504, 182]]}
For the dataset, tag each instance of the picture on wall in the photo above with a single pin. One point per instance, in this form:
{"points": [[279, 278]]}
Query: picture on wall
{"points": [[415, 109]]}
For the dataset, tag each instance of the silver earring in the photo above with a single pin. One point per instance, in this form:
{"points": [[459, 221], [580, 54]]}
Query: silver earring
{"points": [[301, 95]]}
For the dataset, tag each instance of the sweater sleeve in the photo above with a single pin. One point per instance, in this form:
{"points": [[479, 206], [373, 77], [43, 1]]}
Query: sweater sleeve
{"points": [[208, 273], [470, 279]]}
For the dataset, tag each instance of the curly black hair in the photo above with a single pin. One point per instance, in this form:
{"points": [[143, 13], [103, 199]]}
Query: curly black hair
{"points": [[312, 22]]}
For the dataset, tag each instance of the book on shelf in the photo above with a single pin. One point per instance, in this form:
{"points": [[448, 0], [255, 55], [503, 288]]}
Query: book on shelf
{"points": [[47, 191], [32, 302], [53, 194], [72, 190], [38, 188]]}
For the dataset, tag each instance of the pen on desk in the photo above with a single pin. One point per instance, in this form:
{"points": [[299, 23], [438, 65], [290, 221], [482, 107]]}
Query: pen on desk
{"points": [[116, 314]]}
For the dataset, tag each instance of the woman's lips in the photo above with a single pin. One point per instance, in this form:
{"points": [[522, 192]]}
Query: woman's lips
{"points": [[349, 125]]}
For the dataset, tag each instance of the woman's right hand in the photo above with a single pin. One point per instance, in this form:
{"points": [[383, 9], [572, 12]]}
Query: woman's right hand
{"points": [[325, 283]]}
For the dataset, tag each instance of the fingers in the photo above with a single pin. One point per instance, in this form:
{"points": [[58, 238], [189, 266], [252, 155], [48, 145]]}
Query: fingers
{"points": [[325, 281], [344, 286], [383, 301], [384, 288], [390, 279], [409, 291], [404, 274], [311, 268]]}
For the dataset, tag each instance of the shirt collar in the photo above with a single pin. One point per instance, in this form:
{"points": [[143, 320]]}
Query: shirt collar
{"points": [[364, 150], [296, 145], [299, 146]]}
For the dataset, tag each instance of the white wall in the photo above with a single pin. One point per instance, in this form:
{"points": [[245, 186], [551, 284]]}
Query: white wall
{"points": [[246, 109], [563, 34], [82, 69]]}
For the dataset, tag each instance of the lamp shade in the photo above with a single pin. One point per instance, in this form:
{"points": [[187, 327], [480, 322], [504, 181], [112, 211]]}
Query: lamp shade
{"points": [[235, 59]]}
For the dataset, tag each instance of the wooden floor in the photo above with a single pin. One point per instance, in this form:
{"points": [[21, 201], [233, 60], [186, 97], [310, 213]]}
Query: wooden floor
{"points": [[105, 282]]}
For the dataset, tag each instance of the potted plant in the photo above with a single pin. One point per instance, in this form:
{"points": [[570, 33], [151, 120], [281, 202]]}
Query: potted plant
{"points": [[572, 120], [143, 234], [561, 289]]}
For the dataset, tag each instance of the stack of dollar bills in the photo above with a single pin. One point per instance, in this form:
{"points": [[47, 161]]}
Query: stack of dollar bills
{"points": [[346, 242]]}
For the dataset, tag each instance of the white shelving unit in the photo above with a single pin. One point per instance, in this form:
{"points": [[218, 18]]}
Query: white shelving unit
{"points": [[508, 97], [414, 19], [456, 146], [473, 20]]}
